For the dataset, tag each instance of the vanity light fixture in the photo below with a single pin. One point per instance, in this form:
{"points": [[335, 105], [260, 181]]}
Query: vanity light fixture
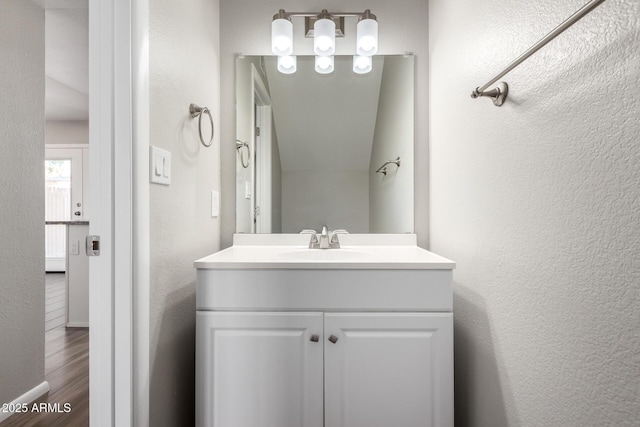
{"points": [[324, 30], [324, 35], [281, 34], [324, 64], [287, 64], [367, 34], [362, 64]]}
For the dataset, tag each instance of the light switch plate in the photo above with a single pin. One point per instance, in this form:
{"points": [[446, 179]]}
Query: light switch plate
{"points": [[247, 190], [160, 166]]}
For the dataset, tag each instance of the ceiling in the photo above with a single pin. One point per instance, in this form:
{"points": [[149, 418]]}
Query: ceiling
{"points": [[324, 122], [66, 59]]}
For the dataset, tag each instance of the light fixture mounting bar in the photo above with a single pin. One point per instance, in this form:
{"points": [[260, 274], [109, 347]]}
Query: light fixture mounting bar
{"points": [[311, 17], [284, 14]]}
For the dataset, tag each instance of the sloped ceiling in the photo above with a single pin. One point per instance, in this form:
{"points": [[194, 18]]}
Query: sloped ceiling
{"points": [[66, 59], [324, 122]]}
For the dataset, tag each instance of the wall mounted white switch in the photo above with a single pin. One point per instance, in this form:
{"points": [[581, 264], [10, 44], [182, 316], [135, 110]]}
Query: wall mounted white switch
{"points": [[247, 190], [74, 248], [160, 167], [215, 204]]}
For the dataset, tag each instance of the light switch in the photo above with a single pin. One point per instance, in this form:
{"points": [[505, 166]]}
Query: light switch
{"points": [[247, 190], [215, 204], [160, 167], [74, 248], [159, 162]]}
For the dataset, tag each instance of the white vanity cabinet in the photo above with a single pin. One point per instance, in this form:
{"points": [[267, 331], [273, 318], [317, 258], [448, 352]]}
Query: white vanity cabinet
{"points": [[293, 337], [259, 369], [277, 369], [388, 369]]}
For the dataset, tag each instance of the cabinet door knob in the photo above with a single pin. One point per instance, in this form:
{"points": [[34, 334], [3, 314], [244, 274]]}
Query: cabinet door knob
{"points": [[333, 339], [315, 338]]}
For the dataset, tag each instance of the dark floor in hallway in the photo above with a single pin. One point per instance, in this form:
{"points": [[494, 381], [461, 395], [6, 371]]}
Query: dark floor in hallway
{"points": [[66, 365]]}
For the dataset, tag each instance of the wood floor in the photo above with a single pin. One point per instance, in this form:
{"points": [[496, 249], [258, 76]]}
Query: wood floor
{"points": [[56, 301], [66, 367]]}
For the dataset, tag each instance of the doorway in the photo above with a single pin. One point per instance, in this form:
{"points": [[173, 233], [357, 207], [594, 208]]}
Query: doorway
{"points": [[262, 149]]}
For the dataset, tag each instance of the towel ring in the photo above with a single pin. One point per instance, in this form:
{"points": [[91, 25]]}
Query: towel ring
{"points": [[239, 146], [196, 111]]}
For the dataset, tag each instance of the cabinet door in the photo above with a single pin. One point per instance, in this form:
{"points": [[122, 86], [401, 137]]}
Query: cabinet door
{"points": [[389, 369], [259, 369]]}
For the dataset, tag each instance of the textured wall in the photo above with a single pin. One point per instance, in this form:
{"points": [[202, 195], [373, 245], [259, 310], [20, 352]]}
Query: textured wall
{"points": [[538, 202], [21, 198], [184, 68], [246, 28]]}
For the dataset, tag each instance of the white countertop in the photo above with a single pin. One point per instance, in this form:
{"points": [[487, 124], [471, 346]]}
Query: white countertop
{"points": [[357, 251]]}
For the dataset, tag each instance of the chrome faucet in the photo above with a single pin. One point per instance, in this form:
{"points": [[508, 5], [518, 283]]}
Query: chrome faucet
{"points": [[325, 240]]}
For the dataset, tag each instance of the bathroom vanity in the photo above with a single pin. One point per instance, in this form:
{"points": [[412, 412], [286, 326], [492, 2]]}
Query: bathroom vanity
{"points": [[356, 336]]}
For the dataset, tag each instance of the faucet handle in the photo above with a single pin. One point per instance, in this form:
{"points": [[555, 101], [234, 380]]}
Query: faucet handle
{"points": [[313, 242], [335, 233]]}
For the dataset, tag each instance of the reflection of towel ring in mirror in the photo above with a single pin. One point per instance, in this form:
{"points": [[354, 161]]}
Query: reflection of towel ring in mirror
{"points": [[239, 146], [196, 111]]}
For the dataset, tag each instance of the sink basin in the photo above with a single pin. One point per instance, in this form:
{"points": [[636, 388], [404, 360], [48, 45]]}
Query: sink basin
{"points": [[368, 273], [358, 252], [322, 255]]}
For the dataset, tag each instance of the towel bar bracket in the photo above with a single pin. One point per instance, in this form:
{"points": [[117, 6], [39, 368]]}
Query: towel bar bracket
{"points": [[498, 94]]}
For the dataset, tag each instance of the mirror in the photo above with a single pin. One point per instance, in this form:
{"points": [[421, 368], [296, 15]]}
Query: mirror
{"points": [[315, 149]]}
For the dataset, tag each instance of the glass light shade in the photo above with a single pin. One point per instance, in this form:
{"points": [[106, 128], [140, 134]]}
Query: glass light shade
{"points": [[367, 37], [362, 64], [287, 64], [282, 37], [324, 64], [324, 37]]}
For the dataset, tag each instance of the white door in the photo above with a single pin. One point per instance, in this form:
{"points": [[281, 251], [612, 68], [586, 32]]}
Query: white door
{"points": [[388, 369], [258, 369], [64, 200]]}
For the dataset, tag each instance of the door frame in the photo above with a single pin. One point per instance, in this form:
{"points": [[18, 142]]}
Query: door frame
{"points": [[111, 277], [261, 101]]}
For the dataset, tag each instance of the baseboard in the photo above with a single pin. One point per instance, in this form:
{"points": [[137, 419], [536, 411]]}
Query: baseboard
{"points": [[27, 398], [77, 324], [55, 265]]}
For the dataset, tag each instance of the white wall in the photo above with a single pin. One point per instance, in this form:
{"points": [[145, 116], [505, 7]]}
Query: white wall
{"points": [[184, 69], [21, 198], [391, 195], [276, 183], [246, 28], [67, 132], [538, 202], [305, 195]]}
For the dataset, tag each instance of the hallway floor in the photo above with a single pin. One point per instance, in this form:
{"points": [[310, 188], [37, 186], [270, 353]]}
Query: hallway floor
{"points": [[66, 366]]}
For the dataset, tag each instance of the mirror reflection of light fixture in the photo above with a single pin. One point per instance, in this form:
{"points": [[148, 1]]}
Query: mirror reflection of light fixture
{"points": [[281, 34], [287, 64], [367, 34], [324, 64], [362, 64], [324, 34]]}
